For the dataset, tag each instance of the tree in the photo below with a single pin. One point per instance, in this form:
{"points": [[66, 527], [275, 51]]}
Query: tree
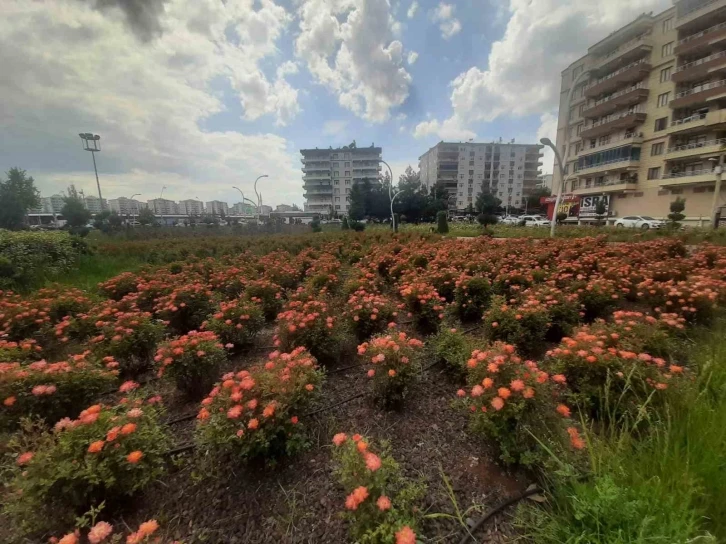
{"points": [[358, 198], [442, 226], [146, 217], [18, 194], [600, 210], [75, 212], [676, 215], [487, 203], [344, 225], [533, 200], [315, 224], [470, 209]]}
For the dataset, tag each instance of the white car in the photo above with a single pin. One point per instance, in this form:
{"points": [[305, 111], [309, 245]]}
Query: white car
{"points": [[534, 220], [644, 222], [509, 220]]}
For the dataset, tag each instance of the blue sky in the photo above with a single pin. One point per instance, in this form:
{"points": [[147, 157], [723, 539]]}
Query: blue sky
{"points": [[200, 95]]}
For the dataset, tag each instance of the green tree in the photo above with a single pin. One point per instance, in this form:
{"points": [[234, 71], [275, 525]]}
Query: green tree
{"points": [[441, 224], [344, 225], [600, 210], [315, 224], [146, 217], [533, 200], [358, 199], [676, 215], [487, 203], [18, 194], [75, 212]]}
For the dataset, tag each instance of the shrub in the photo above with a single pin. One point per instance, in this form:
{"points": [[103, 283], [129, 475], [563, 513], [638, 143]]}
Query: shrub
{"points": [[525, 325], [309, 324], [424, 305], [452, 347], [380, 504], [193, 361], [598, 298], [255, 414], [392, 358], [315, 224], [358, 226], [109, 452], [344, 224], [105, 532], [515, 403], [51, 390], [472, 297], [119, 286], [23, 351], [236, 322], [442, 227], [368, 314], [130, 338], [186, 307], [267, 294]]}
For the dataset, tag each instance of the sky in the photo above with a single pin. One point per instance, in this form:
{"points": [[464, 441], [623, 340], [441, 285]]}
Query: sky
{"points": [[199, 96]]}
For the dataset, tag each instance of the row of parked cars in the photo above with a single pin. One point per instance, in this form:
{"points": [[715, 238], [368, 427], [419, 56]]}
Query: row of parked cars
{"points": [[643, 222]]}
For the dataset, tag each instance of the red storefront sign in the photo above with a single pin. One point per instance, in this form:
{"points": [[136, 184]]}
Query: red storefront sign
{"points": [[569, 204]]}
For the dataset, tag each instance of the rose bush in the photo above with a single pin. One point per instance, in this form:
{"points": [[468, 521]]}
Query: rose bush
{"points": [[236, 322]]}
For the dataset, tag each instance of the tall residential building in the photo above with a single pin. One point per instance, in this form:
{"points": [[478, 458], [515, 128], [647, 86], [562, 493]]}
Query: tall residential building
{"points": [[191, 207], [509, 171], [53, 204], [545, 181], [162, 206], [648, 121], [217, 207], [242, 208], [94, 204], [329, 174], [125, 206]]}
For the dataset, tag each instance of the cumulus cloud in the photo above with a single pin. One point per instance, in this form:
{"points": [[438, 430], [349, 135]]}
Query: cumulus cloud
{"points": [[412, 57], [413, 8], [522, 76], [76, 69], [334, 127], [448, 24], [449, 129], [142, 16], [348, 47], [547, 129]]}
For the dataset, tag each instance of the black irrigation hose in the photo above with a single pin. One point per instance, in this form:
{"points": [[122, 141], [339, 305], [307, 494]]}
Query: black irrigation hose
{"points": [[475, 327], [509, 502], [336, 370], [330, 406], [181, 449], [182, 418]]}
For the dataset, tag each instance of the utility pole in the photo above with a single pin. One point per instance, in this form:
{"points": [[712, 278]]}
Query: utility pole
{"points": [[92, 143]]}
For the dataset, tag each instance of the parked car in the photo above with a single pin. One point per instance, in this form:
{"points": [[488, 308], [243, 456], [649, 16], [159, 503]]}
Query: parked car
{"points": [[509, 220], [644, 222], [534, 220]]}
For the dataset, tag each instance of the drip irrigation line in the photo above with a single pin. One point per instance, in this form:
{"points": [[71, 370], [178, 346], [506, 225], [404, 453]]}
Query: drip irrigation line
{"points": [[181, 449], [475, 327], [329, 407], [509, 502], [432, 365], [336, 370], [182, 418]]}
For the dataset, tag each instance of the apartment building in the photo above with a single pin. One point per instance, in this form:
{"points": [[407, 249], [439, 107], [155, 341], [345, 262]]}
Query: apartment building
{"points": [[50, 204], [94, 204], [125, 206], [162, 206], [329, 175], [191, 207], [647, 120], [507, 170], [217, 207]]}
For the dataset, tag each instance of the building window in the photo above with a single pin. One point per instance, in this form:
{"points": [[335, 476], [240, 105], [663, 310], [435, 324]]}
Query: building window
{"points": [[335, 156], [579, 128], [337, 173], [661, 124], [471, 172], [337, 199], [656, 149], [347, 165], [665, 74], [654, 173], [666, 50], [663, 99], [347, 173], [337, 206], [667, 25]]}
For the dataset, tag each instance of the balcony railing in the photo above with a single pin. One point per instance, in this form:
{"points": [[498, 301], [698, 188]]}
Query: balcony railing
{"points": [[616, 72], [690, 119], [623, 47], [604, 163], [696, 8], [708, 143], [700, 61], [697, 35], [595, 185], [613, 96], [701, 88], [615, 116], [627, 138], [672, 175]]}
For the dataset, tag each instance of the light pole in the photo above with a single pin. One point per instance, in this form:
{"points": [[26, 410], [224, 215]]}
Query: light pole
{"points": [[391, 196], [259, 198], [131, 199], [548, 143], [717, 191], [92, 143], [161, 205]]}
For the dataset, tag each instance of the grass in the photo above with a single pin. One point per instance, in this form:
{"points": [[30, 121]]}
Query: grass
{"points": [[665, 486], [93, 269]]}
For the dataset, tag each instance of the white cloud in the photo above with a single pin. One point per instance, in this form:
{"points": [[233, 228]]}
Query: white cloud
{"points": [[448, 24], [522, 76], [548, 129], [348, 46], [75, 69], [449, 129], [334, 127], [412, 57], [411, 13]]}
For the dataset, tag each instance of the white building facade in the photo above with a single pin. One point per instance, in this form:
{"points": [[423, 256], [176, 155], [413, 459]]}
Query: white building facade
{"points": [[95, 205], [217, 207], [162, 206], [191, 207], [125, 206]]}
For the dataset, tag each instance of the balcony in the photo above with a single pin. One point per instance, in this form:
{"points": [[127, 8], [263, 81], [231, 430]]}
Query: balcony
{"points": [[623, 119], [700, 94], [609, 166], [631, 73], [696, 122], [693, 177], [709, 147], [634, 138], [701, 11], [615, 186], [701, 68], [626, 97], [312, 176], [625, 53], [701, 40]]}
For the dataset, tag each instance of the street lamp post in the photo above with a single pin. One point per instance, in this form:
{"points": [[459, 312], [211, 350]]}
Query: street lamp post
{"points": [[548, 143], [391, 196], [717, 191], [259, 197], [131, 199], [92, 143]]}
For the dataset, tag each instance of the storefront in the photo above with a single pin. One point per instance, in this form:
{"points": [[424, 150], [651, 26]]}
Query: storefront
{"points": [[588, 208], [569, 204]]}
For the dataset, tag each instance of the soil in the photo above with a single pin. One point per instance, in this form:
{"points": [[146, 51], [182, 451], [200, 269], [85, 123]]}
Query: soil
{"points": [[298, 500]]}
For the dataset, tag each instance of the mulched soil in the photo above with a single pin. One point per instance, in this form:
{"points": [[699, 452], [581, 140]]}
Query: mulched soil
{"points": [[204, 499]]}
